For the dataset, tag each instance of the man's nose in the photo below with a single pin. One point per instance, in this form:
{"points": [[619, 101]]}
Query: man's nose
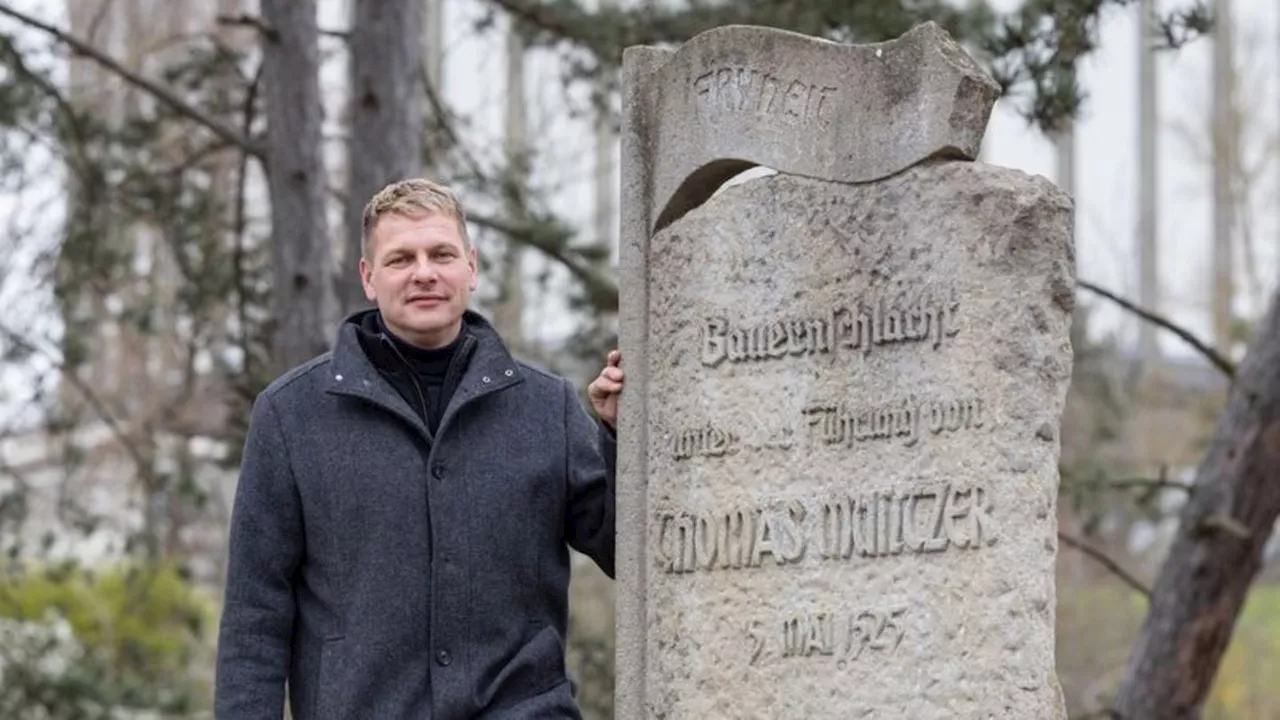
{"points": [[424, 270]]}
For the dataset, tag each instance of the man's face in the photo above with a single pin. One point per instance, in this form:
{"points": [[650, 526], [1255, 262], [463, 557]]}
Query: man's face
{"points": [[420, 275]]}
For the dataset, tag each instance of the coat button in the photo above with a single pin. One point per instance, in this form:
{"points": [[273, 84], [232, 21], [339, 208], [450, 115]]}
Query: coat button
{"points": [[444, 658], [437, 471]]}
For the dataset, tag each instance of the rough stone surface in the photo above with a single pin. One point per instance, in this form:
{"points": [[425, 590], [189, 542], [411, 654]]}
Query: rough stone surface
{"points": [[838, 445]]}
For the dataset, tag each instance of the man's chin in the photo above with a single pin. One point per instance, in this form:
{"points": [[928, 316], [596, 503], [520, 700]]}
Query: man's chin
{"points": [[431, 325]]}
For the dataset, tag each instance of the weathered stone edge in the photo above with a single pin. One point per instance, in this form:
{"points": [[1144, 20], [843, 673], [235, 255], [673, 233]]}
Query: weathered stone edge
{"points": [[631, 499]]}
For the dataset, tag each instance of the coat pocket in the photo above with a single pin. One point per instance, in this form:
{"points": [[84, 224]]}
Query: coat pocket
{"points": [[546, 670], [536, 668]]}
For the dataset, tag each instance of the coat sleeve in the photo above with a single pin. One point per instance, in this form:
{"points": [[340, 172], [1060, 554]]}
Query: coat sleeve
{"points": [[265, 549], [591, 466]]}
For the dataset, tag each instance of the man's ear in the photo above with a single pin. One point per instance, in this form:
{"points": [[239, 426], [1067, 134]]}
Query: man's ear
{"points": [[366, 279], [471, 262]]}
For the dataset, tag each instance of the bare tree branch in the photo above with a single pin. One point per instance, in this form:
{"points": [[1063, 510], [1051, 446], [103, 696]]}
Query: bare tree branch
{"points": [[1104, 560], [1227, 524], [660, 24], [1103, 714], [157, 90], [18, 474], [539, 17], [193, 159], [247, 20], [1126, 483], [89, 395], [1151, 484], [442, 118], [600, 288], [68, 113], [257, 23], [1226, 366]]}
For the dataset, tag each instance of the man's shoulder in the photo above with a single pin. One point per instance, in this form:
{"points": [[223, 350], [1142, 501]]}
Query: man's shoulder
{"points": [[299, 381], [541, 375]]}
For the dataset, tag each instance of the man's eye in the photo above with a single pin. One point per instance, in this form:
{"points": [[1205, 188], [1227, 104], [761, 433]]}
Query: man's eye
{"points": [[398, 260]]}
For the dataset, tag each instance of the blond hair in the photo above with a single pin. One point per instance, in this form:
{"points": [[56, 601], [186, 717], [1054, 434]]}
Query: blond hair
{"points": [[413, 196]]}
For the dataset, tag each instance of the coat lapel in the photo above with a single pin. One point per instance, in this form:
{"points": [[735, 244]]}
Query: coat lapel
{"points": [[490, 370], [352, 374]]}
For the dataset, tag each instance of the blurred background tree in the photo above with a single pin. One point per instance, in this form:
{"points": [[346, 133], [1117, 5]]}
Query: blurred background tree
{"points": [[183, 181]]}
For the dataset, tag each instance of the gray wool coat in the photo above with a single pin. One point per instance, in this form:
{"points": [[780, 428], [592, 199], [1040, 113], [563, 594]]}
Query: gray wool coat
{"points": [[388, 574]]}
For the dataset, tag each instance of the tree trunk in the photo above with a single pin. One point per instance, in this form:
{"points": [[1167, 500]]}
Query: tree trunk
{"points": [[508, 312], [433, 42], [1148, 175], [302, 287], [1223, 134], [1218, 547], [387, 105]]}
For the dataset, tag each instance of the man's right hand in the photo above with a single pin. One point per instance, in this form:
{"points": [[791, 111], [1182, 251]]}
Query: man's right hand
{"points": [[605, 389]]}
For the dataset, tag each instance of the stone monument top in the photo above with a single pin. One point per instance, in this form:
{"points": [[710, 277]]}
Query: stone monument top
{"points": [[739, 96]]}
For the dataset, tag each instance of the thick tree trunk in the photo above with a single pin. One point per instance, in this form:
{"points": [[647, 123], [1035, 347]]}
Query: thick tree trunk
{"points": [[302, 285], [387, 104], [1217, 551]]}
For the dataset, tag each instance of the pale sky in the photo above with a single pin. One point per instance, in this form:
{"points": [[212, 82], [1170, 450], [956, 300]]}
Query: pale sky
{"points": [[1106, 163]]}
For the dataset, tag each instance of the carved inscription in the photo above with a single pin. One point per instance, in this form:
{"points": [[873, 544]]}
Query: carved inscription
{"points": [[891, 523], [907, 421], [732, 539], [866, 525], [869, 323], [843, 636], [706, 441], [750, 91]]}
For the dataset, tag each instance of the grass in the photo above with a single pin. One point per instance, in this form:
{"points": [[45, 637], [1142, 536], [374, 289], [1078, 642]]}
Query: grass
{"points": [[1097, 625]]}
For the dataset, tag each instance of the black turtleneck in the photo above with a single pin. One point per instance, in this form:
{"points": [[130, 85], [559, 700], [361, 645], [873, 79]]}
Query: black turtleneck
{"points": [[425, 378]]}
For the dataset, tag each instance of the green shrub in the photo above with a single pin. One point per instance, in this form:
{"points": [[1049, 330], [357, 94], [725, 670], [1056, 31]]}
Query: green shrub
{"points": [[137, 629]]}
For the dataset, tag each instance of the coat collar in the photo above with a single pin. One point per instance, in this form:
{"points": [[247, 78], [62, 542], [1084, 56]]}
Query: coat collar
{"points": [[490, 370]]}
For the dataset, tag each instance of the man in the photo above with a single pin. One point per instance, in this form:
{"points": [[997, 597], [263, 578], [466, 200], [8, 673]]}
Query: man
{"points": [[399, 541]]}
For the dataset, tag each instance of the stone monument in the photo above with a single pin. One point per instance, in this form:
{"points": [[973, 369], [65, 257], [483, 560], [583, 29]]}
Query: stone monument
{"points": [[839, 439]]}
